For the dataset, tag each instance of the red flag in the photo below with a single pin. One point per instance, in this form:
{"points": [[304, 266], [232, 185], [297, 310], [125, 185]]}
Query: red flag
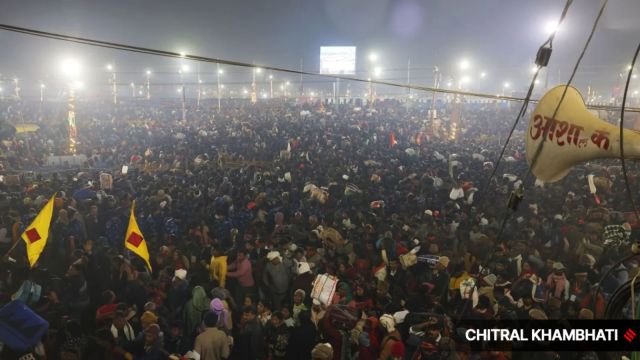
{"points": [[392, 139]]}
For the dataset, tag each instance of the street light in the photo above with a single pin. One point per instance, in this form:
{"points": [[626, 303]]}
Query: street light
{"points": [[551, 27], [464, 64], [271, 86], [114, 88], [16, 88], [183, 69], [373, 57], [218, 73], [148, 72], [483, 75], [41, 92], [71, 69]]}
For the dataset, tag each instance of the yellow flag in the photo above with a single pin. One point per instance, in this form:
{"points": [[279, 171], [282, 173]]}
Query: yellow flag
{"points": [[36, 235], [134, 241]]}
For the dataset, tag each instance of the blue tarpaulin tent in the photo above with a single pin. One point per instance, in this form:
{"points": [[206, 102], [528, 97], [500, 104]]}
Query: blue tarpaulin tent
{"points": [[20, 327]]}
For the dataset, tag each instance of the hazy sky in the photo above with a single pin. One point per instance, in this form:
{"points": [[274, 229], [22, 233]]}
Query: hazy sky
{"points": [[499, 37]]}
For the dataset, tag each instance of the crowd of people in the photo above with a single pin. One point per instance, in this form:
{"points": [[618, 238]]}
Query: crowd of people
{"points": [[242, 209]]}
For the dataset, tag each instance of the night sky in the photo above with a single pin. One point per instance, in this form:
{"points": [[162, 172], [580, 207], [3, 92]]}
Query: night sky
{"points": [[499, 37]]}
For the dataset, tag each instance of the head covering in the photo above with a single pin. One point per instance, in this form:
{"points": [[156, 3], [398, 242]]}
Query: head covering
{"points": [[301, 292], [322, 351], [303, 268], [148, 318], [537, 314], [272, 255], [199, 298], [217, 307], [558, 266], [316, 302], [180, 274], [585, 314], [388, 322], [150, 306], [444, 261]]}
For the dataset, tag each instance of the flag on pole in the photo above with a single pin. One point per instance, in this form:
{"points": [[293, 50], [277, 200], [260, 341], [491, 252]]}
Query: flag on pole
{"points": [[36, 235], [134, 241]]}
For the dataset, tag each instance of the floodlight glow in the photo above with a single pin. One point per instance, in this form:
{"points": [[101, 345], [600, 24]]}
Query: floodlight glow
{"points": [[506, 85], [287, 83], [483, 74], [373, 57], [77, 85], [71, 67], [41, 86], [551, 27], [258, 70], [465, 80], [109, 67], [377, 71], [464, 64], [534, 69], [220, 71], [199, 81], [270, 77], [634, 76], [221, 86], [185, 68], [148, 72], [244, 91]]}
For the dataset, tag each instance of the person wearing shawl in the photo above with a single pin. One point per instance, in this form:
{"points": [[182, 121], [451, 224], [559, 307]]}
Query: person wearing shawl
{"points": [[298, 305], [195, 309], [224, 318], [344, 295]]}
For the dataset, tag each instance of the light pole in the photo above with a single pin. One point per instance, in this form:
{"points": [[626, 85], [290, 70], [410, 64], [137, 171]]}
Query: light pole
{"points": [[218, 73], [199, 91], [286, 88], [148, 72], [71, 69], [183, 70], [41, 92], [373, 57], [114, 86], [505, 86], [133, 90], [436, 84], [271, 86], [17, 88]]}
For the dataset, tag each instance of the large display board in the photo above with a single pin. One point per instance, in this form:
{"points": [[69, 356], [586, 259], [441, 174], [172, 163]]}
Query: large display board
{"points": [[338, 60]]}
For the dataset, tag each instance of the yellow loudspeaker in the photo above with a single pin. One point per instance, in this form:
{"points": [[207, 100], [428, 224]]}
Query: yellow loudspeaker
{"points": [[574, 136]]}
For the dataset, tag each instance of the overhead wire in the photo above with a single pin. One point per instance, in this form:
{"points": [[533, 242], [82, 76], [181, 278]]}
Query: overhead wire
{"points": [[525, 104], [170, 54]]}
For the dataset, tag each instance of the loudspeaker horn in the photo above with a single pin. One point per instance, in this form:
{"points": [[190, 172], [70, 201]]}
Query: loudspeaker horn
{"points": [[574, 136]]}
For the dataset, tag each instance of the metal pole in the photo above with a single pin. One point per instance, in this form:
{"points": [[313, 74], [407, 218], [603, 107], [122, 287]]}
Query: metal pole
{"points": [[184, 107], [71, 121], [199, 89], [17, 89], [148, 86], [409, 74], [218, 77], [436, 83], [114, 89]]}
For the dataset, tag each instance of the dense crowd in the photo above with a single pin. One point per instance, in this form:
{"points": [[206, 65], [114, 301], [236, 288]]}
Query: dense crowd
{"points": [[243, 208]]}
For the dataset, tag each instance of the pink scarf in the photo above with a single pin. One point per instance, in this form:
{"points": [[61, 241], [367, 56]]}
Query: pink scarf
{"points": [[557, 283]]}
